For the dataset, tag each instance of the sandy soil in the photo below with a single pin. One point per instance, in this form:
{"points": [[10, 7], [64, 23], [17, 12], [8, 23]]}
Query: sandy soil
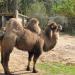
{"points": [[64, 52]]}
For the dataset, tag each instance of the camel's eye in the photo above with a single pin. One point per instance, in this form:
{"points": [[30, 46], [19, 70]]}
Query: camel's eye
{"points": [[53, 27]]}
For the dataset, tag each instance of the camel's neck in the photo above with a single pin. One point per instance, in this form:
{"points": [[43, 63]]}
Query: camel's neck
{"points": [[50, 42]]}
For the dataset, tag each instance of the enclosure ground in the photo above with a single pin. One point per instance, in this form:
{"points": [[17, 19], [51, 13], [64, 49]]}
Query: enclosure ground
{"points": [[63, 53]]}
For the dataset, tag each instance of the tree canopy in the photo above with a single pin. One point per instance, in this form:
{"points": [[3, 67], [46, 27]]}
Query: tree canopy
{"points": [[51, 7]]}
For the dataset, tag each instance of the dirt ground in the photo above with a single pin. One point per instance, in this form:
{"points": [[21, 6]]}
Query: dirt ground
{"points": [[64, 52]]}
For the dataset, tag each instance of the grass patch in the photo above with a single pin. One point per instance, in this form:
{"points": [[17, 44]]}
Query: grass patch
{"points": [[56, 69]]}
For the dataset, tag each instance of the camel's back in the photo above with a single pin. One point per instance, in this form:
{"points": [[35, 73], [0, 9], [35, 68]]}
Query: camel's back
{"points": [[13, 25], [30, 36], [27, 40], [34, 28]]}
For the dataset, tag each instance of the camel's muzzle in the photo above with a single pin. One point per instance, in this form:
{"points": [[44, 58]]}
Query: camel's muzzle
{"points": [[59, 28]]}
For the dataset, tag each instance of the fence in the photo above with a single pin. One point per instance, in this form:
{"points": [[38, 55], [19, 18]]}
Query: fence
{"points": [[71, 24]]}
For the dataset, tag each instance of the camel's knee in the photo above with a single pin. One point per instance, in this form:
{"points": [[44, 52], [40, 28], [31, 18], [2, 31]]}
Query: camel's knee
{"points": [[5, 56], [30, 56], [37, 52], [1, 57], [2, 61]]}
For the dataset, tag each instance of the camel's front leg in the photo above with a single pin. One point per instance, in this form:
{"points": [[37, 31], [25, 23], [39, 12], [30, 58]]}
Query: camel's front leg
{"points": [[37, 53], [29, 60]]}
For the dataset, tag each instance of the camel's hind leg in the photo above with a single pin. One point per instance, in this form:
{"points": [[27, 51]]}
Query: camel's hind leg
{"points": [[7, 45], [4, 60]]}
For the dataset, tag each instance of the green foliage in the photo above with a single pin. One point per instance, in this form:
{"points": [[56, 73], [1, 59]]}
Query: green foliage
{"points": [[24, 5], [48, 5], [44, 8], [37, 10], [64, 7]]}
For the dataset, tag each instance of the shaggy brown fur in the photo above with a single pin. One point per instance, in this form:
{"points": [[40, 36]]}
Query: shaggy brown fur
{"points": [[33, 25], [24, 39], [50, 36]]}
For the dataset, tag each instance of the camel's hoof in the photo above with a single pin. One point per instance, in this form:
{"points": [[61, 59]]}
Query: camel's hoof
{"points": [[9, 73], [27, 69], [34, 71]]}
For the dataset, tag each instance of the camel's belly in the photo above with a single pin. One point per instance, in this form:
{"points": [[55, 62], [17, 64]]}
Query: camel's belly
{"points": [[24, 47], [23, 44]]}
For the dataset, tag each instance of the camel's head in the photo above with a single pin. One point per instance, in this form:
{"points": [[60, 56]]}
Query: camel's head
{"points": [[54, 27], [52, 33]]}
